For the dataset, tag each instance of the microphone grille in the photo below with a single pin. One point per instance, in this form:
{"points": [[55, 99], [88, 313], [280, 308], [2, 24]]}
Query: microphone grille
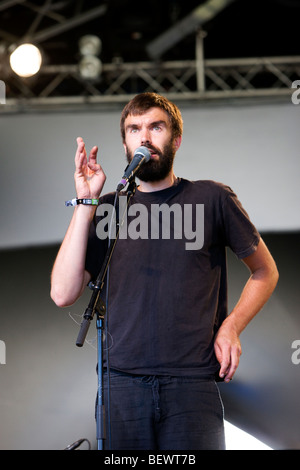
{"points": [[143, 152]]}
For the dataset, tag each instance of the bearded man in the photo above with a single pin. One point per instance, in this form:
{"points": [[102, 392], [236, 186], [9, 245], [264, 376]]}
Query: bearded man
{"points": [[170, 337]]}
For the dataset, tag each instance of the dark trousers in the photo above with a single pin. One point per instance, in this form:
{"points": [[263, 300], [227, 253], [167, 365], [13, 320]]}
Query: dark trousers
{"points": [[163, 413]]}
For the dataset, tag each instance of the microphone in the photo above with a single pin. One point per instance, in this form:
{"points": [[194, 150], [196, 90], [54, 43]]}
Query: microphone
{"points": [[141, 155]]}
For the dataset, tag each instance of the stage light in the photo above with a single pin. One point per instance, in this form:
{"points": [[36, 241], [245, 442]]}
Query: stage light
{"points": [[90, 45], [90, 66], [26, 60]]}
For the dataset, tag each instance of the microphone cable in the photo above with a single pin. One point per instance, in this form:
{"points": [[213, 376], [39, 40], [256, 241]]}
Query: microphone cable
{"points": [[77, 444]]}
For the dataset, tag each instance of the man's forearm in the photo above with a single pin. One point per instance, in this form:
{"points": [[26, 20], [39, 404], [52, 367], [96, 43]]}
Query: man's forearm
{"points": [[255, 294], [257, 291], [68, 277]]}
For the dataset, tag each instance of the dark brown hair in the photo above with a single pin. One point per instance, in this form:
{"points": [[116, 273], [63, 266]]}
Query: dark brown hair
{"points": [[143, 102]]}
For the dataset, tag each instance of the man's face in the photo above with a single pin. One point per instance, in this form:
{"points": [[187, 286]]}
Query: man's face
{"points": [[152, 130]]}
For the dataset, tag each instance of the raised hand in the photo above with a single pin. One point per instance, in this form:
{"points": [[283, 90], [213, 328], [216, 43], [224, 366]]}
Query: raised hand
{"points": [[89, 176]]}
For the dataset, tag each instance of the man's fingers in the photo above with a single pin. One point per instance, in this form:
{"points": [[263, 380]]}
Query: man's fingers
{"points": [[93, 154], [80, 146], [80, 156], [228, 356], [231, 366], [81, 160], [230, 372], [224, 361]]}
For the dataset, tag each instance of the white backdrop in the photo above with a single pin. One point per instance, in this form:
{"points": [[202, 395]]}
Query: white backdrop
{"points": [[254, 149]]}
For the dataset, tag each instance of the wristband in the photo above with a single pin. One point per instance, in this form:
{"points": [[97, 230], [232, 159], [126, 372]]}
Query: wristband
{"points": [[86, 202]]}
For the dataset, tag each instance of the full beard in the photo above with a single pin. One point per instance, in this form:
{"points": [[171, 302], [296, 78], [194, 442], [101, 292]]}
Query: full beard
{"points": [[155, 169]]}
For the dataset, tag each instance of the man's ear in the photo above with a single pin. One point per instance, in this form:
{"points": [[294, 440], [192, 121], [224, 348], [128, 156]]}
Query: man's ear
{"points": [[177, 142]]}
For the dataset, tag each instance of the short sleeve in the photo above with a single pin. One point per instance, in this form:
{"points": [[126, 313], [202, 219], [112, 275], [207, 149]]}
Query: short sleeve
{"points": [[240, 233]]}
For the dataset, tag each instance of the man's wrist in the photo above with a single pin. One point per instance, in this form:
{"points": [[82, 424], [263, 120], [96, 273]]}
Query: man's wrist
{"points": [[82, 201]]}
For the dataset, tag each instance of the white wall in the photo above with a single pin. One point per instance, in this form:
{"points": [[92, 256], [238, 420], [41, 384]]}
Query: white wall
{"points": [[254, 149]]}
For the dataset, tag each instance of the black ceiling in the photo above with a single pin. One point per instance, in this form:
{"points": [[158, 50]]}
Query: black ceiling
{"points": [[246, 28]]}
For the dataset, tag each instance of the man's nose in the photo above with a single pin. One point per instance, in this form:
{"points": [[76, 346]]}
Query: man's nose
{"points": [[145, 137]]}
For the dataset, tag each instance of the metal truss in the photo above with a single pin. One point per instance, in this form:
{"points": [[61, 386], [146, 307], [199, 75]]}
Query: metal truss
{"points": [[181, 80], [195, 80]]}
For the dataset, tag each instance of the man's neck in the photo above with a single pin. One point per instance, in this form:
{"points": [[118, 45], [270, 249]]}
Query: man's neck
{"points": [[151, 186]]}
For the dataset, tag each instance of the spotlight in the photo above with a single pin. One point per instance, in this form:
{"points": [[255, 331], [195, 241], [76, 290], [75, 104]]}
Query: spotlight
{"points": [[90, 67], [90, 45], [26, 60]]}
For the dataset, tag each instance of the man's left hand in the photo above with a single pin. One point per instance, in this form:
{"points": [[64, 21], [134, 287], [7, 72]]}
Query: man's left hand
{"points": [[228, 350]]}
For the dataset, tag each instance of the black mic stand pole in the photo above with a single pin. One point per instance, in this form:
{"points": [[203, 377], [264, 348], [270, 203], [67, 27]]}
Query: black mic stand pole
{"points": [[97, 306]]}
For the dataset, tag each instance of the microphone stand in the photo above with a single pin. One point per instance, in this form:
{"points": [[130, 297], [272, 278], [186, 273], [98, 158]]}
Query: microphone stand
{"points": [[98, 307]]}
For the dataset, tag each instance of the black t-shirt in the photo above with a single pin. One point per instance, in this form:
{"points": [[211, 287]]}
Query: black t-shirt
{"points": [[168, 285]]}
